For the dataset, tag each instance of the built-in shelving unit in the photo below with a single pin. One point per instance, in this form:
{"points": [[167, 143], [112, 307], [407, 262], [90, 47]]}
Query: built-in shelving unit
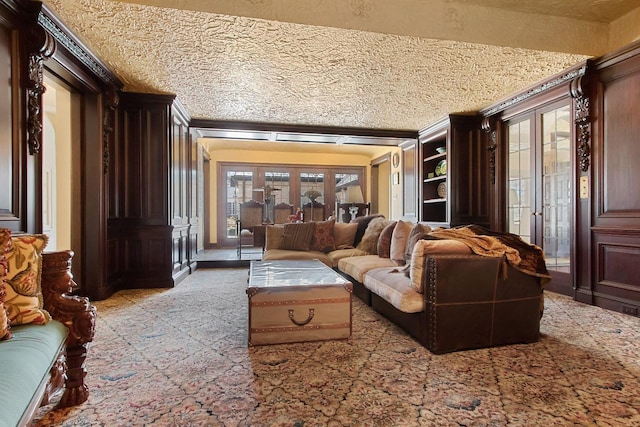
{"points": [[434, 179], [453, 164]]}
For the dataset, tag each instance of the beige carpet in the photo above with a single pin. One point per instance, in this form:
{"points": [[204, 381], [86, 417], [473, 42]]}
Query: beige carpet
{"points": [[179, 357]]}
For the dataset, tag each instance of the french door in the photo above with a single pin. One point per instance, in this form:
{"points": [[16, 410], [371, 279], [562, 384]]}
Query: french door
{"points": [[277, 185], [238, 187], [540, 185]]}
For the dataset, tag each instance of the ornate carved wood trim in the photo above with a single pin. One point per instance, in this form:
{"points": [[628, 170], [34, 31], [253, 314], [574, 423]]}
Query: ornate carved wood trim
{"points": [[583, 124], [42, 46], [557, 81], [111, 101], [77, 314], [486, 126], [77, 49]]}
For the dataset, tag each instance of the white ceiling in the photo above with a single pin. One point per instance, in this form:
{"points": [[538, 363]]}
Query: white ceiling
{"points": [[356, 63]]}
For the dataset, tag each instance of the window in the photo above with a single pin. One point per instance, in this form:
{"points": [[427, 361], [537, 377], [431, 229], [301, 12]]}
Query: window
{"points": [[311, 188]]}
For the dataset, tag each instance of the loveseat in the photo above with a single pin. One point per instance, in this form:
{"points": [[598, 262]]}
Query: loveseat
{"points": [[452, 290], [44, 331]]}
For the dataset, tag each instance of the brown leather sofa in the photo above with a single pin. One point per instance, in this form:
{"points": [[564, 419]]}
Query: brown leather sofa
{"points": [[469, 302], [451, 299], [472, 302]]}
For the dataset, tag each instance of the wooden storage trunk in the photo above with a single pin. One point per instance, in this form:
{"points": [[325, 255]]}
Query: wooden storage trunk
{"points": [[296, 301]]}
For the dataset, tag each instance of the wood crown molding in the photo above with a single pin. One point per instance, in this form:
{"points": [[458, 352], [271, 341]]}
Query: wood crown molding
{"points": [[558, 80], [64, 37]]}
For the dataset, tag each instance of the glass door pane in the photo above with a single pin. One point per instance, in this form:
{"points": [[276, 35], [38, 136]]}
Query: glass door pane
{"points": [[312, 196], [556, 191], [348, 191], [519, 180], [277, 192], [239, 190], [311, 187]]}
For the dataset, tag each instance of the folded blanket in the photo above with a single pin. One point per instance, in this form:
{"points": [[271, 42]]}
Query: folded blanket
{"points": [[523, 256]]}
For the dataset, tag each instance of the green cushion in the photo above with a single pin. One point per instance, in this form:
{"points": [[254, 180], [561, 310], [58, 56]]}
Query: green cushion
{"points": [[25, 360]]}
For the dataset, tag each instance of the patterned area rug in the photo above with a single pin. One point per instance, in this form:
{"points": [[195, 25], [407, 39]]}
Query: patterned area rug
{"points": [[179, 357]]}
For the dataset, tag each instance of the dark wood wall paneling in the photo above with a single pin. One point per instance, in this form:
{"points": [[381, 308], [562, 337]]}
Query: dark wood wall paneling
{"points": [[605, 97], [467, 164], [33, 42], [614, 91], [12, 141], [157, 159], [469, 203]]}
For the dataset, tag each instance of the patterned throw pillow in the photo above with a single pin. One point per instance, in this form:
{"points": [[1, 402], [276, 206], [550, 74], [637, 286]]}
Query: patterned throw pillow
{"points": [[23, 292], [297, 237], [384, 241], [5, 242], [322, 239], [344, 233]]}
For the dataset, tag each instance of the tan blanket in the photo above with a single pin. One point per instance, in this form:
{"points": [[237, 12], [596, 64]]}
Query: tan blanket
{"points": [[521, 255]]}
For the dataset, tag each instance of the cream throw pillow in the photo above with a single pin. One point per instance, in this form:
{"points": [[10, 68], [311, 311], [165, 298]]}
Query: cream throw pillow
{"points": [[422, 249], [399, 241]]}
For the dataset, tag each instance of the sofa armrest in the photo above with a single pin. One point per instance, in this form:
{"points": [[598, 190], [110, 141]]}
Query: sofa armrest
{"points": [[76, 313], [473, 301]]}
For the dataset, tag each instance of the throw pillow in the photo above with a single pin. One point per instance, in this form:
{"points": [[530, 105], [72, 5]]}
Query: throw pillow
{"points": [[273, 236], [424, 248], [418, 232], [399, 241], [297, 237], [23, 292], [384, 241], [369, 241], [363, 223], [344, 234], [322, 239], [5, 242]]}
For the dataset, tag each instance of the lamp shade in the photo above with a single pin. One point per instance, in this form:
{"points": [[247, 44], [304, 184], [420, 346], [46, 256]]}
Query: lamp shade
{"points": [[354, 194]]}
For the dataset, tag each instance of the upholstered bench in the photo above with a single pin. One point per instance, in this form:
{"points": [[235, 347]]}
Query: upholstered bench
{"points": [[27, 359], [44, 331]]}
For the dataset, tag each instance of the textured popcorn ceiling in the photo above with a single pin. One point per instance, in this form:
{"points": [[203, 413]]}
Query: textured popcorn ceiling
{"points": [[589, 10], [226, 67]]}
